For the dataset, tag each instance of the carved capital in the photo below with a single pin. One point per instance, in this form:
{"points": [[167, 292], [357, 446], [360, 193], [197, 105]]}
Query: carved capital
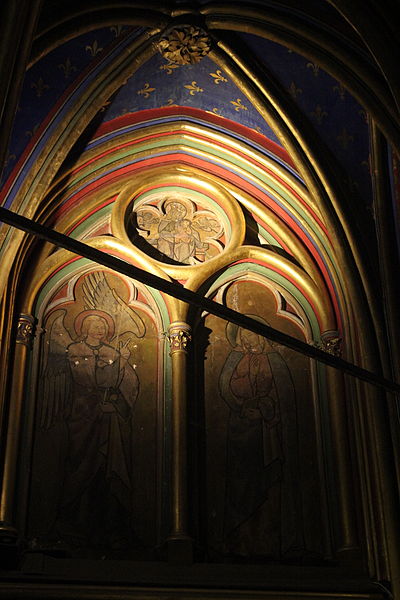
{"points": [[25, 330], [179, 337], [331, 342], [184, 45]]}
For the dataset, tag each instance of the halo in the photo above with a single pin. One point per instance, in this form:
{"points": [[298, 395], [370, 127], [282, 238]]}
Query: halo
{"points": [[186, 203], [94, 313], [232, 329]]}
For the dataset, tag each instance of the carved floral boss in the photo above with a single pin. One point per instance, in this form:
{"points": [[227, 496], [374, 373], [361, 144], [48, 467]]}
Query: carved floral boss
{"points": [[184, 45]]}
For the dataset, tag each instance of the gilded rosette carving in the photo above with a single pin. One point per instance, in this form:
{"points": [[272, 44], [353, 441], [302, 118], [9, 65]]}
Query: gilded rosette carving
{"points": [[179, 337], [25, 330], [184, 45]]}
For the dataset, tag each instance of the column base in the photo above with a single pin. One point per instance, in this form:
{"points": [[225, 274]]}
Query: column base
{"points": [[10, 546], [349, 555], [8, 533], [180, 550]]}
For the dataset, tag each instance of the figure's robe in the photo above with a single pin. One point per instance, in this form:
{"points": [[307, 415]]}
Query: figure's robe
{"points": [[103, 393], [261, 452]]}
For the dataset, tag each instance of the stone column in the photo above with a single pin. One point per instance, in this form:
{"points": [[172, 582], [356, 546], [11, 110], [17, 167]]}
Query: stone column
{"points": [[179, 541], [346, 535], [24, 337]]}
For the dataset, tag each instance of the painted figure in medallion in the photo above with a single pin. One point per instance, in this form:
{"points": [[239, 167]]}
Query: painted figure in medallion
{"points": [[177, 238], [179, 232]]}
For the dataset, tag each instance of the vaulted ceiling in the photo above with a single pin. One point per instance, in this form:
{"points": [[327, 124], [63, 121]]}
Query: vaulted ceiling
{"points": [[282, 104]]}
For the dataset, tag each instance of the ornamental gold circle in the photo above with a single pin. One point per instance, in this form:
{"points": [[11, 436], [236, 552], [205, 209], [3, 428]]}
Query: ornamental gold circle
{"points": [[147, 216]]}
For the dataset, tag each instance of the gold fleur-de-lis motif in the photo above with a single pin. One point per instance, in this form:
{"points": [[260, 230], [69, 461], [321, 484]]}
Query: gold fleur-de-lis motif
{"points": [[319, 114], [294, 91], [218, 77], [170, 102], [367, 163], [116, 30], [40, 86], [32, 131], [314, 67], [340, 89], [146, 90], [94, 48], [364, 115], [354, 185], [238, 105], [168, 68], [193, 88], [344, 138], [105, 105], [67, 67], [9, 158], [216, 111]]}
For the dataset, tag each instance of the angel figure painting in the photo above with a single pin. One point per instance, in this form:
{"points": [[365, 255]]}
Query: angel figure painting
{"points": [[88, 390]]}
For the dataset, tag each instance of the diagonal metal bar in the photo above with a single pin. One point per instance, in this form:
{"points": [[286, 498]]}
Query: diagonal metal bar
{"points": [[178, 291]]}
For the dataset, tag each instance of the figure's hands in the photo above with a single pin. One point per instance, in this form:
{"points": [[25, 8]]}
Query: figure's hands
{"points": [[254, 364], [269, 411], [253, 414], [107, 407], [124, 350]]}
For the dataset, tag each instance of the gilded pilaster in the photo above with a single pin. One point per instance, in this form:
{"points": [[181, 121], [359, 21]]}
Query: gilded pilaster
{"points": [[179, 542], [346, 534], [25, 331]]}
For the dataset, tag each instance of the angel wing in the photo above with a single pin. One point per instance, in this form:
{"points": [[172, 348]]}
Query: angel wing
{"points": [[55, 383], [98, 295]]}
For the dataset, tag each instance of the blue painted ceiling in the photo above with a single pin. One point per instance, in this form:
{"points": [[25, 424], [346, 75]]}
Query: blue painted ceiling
{"points": [[325, 104]]}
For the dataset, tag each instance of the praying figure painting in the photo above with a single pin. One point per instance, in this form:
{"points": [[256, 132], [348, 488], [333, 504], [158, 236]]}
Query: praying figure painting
{"points": [[262, 454], [89, 390], [262, 500]]}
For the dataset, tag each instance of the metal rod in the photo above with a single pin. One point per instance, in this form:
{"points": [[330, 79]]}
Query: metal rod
{"points": [[178, 291]]}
